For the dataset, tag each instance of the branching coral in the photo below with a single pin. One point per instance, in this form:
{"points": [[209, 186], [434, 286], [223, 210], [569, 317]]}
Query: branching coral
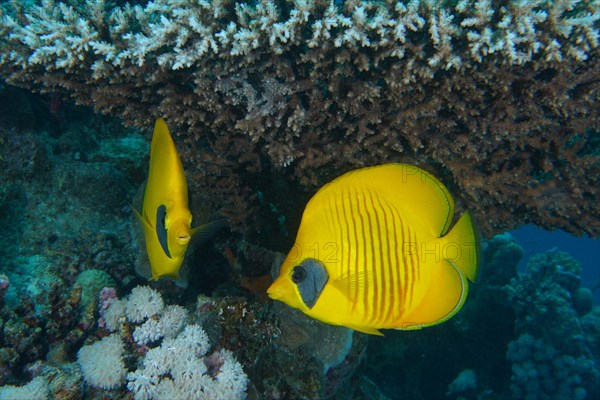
{"points": [[495, 97]]}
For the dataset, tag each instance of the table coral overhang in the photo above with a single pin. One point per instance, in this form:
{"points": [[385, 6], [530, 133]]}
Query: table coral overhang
{"points": [[496, 98]]}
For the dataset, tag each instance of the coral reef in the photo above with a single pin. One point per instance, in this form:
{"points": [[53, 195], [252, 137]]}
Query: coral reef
{"points": [[179, 369], [91, 282], [583, 300], [175, 362], [328, 344], [495, 97], [590, 324], [269, 100], [540, 372], [272, 340], [53, 237], [4, 284], [552, 357], [465, 381]]}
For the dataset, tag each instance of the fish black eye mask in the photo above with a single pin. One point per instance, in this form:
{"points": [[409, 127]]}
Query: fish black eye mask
{"points": [[161, 230], [310, 277], [299, 274]]}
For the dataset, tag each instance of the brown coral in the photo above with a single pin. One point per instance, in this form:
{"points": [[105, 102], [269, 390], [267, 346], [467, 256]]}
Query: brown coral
{"points": [[497, 98]]}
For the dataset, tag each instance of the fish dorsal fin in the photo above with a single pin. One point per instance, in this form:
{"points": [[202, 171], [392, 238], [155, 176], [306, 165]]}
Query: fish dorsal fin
{"points": [[161, 137], [166, 171], [414, 192]]}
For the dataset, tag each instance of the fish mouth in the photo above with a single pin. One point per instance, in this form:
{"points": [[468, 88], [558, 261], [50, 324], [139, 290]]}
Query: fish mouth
{"points": [[274, 292]]}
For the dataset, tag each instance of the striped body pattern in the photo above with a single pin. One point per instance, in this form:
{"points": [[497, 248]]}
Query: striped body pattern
{"points": [[381, 282], [377, 241]]}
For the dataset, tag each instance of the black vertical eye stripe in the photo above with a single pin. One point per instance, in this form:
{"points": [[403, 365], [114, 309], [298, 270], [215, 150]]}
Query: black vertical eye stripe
{"points": [[314, 277], [299, 274], [161, 230]]}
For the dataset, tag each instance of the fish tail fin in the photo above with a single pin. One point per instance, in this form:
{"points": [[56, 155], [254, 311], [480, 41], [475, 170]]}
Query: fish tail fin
{"points": [[462, 246]]}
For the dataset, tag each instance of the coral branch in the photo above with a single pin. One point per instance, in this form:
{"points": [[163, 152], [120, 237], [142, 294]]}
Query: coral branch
{"points": [[499, 98]]}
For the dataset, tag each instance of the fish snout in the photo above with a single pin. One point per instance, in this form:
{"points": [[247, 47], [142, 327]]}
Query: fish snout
{"points": [[275, 291]]}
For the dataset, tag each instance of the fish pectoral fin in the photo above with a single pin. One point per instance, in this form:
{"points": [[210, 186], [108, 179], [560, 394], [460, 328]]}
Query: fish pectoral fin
{"points": [[147, 228], [444, 298], [348, 285], [204, 232], [365, 329]]}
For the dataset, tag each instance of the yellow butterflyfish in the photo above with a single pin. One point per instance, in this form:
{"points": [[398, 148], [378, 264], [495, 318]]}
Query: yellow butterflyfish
{"points": [[165, 215], [374, 251]]}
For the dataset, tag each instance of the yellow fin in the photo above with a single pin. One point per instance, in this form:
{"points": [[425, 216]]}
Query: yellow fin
{"points": [[174, 276], [147, 228], [416, 193], [161, 137], [444, 298], [462, 246], [348, 284], [166, 178], [365, 329]]}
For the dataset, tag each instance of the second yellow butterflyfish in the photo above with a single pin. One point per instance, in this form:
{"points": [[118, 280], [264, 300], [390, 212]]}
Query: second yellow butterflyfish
{"points": [[374, 250], [165, 215]]}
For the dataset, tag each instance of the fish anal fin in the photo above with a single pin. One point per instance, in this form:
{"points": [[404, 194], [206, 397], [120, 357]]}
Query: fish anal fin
{"points": [[445, 297], [365, 329], [174, 276]]}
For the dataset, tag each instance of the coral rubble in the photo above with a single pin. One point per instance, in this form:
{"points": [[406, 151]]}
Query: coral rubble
{"points": [[495, 97]]}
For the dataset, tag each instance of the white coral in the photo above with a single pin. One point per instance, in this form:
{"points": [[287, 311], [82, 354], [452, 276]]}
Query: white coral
{"points": [[143, 302], [182, 34], [102, 363], [143, 384], [172, 320], [37, 388], [173, 370], [149, 331], [113, 314], [176, 370], [231, 377], [166, 325]]}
